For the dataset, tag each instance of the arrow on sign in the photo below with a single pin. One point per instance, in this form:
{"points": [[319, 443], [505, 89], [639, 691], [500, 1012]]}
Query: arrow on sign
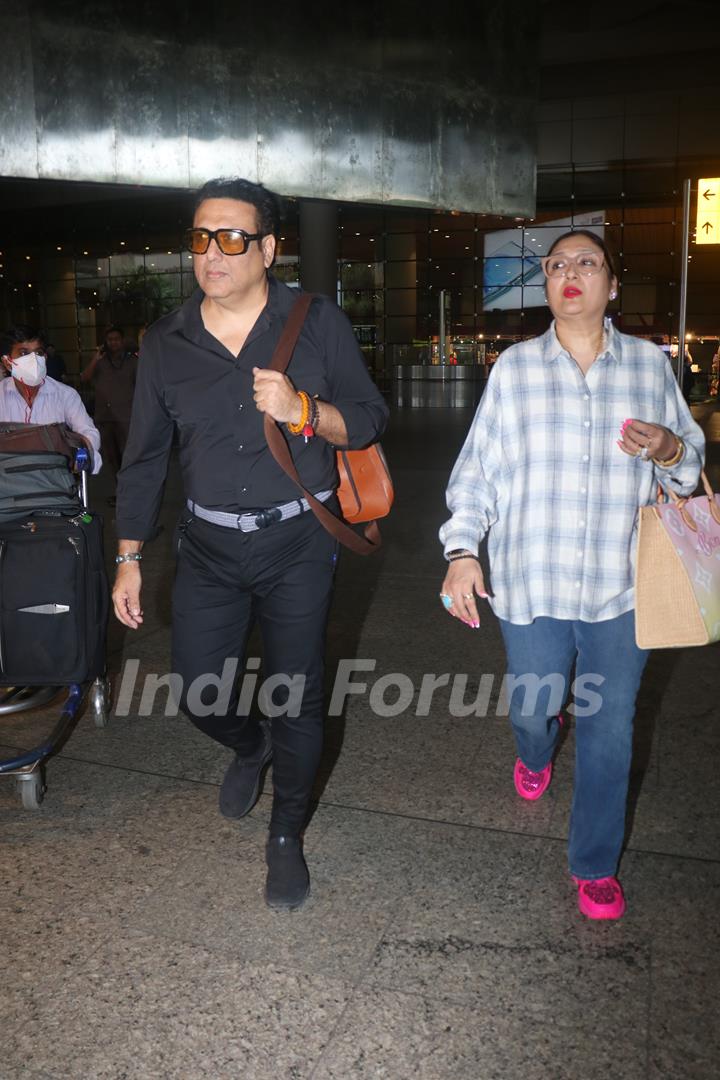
{"points": [[707, 226], [709, 194]]}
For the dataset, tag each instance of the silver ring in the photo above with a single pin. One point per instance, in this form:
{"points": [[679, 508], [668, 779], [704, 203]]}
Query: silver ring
{"points": [[644, 453], [447, 600]]}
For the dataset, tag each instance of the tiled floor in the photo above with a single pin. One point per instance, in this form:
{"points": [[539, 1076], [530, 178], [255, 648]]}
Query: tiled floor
{"points": [[441, 940]]}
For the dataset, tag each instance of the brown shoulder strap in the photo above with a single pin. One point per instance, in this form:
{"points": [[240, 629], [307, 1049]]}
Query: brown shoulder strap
{"points": [[362, 545]]}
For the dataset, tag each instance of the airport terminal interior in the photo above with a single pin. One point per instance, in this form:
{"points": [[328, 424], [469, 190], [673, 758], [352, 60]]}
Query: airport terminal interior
{"points": [[441, 939]]}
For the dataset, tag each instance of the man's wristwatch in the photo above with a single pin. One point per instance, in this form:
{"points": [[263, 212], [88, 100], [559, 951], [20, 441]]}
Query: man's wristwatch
{"points": [[129, 556]]}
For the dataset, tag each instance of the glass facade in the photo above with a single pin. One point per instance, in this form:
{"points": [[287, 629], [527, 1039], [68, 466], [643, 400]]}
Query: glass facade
{"points": [[76, 267]]}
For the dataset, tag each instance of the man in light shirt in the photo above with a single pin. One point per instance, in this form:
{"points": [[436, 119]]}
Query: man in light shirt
{"points": [[30, 396]]}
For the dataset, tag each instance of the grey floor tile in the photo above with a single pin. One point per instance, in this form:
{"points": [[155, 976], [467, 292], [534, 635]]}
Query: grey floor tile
{"points": [[156, 811], [386, 1035], [684, 1034], [447, 770], [219, 903], [203, 1015]]}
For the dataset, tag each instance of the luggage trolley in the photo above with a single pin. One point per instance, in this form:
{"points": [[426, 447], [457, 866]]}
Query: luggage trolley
{"points": [[28, 768]]}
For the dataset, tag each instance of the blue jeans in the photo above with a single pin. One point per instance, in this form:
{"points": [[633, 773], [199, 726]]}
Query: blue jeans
{"points": [[608, 670]]}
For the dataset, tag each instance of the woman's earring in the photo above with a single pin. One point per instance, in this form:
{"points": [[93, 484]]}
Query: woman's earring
{"points": [[613, 295]]}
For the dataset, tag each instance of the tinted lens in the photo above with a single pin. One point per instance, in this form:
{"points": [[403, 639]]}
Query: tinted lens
{"points": [[231, 241], [197, 241]]}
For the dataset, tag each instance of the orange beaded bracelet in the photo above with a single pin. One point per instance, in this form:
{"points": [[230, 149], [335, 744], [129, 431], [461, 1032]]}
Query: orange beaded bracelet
{"points": [[297, 429]]}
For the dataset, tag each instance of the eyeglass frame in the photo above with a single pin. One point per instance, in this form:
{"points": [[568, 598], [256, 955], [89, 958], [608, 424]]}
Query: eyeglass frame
{"points": [[572, 259], [212, 234]]}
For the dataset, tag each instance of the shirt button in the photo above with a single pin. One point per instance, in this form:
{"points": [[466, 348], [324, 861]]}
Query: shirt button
{"points": [[586, 457], [581, 524], [243, 490], [577, 584], [239, 406], [587, 423], [579, 554], [583, 491], [240, 448], [586, 396]]}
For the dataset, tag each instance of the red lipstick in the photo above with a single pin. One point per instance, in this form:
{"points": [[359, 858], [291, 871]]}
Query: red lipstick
{"points": [[570, 291]]}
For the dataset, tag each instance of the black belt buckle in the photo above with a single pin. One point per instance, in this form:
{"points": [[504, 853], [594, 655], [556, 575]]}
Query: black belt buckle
{"points": [[267, 517]]}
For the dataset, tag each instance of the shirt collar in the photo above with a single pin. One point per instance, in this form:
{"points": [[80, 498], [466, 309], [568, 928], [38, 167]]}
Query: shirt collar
{"points": [[552, 349], [188, 320]]}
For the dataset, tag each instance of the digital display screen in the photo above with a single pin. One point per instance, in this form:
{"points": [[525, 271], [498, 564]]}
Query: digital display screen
{"points": [[512, 274]]}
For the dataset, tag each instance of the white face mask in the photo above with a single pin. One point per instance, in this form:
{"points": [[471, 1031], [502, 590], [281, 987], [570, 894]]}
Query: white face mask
{"points": [[30, 369]]}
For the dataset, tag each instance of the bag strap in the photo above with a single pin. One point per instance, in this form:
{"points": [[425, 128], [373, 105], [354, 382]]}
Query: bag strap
{"points": [[361, 545], [680, 502]]}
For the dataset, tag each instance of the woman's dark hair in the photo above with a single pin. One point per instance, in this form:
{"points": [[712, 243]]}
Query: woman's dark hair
{"points": [[265, 202], [17, 333], [597, 241]]}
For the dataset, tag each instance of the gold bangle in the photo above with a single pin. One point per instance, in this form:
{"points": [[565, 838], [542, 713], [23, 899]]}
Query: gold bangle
{"points": [[296, 429], [676, 456]]}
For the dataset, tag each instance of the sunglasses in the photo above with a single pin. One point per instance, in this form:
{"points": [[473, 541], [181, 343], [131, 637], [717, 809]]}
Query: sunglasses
{"points": [[229, 241]]}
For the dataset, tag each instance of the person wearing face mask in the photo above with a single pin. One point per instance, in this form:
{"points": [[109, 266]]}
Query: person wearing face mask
{"points": [[575, 431], [28, 395]]}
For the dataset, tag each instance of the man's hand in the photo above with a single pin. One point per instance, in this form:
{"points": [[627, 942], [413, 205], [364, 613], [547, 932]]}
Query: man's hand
{"points": [[275, 395], [126, 594], [463, 581]]}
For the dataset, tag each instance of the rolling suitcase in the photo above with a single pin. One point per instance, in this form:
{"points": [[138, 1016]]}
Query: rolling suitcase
{"points": [[54, 599]]}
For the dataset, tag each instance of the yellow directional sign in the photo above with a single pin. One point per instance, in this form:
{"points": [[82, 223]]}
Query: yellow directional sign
{"points": [[707, 225]]}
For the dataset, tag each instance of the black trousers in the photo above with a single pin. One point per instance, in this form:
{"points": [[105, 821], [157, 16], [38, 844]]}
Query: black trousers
{"points": [[225, 580]]}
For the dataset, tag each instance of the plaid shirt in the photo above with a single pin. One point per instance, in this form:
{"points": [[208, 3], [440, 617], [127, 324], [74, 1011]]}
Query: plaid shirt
{"points": [[541, 472]]}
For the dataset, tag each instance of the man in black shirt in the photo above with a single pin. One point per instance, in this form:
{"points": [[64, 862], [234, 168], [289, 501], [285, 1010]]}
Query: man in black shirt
{"points": [[204, 371]]}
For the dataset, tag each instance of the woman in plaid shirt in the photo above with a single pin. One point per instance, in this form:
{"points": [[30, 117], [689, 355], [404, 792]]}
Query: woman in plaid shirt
{"points": [[574, 432]]}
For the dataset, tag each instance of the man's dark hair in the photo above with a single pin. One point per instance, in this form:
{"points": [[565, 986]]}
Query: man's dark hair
{"points": [[17, 333], [115, 330], [265, 202], [597, 240]]}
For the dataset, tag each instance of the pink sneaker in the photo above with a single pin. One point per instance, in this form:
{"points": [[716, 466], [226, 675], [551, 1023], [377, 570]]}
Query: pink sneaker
{"points": [[600, 899], [531, 785]]}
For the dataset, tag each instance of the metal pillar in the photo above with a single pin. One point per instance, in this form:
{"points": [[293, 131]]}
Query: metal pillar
{"points": [[318, 247], [683, 281]]}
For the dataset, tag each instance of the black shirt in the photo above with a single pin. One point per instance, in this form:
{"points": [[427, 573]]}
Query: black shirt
{"points": [[188, 380]]}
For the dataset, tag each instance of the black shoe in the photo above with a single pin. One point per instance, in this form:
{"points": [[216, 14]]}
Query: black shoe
{"points": [[288, 881], [241, 784]]}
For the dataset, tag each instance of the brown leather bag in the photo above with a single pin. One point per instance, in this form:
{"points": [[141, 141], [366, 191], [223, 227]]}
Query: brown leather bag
{"points": [[366, 488], [365, 491], [19, 438]]}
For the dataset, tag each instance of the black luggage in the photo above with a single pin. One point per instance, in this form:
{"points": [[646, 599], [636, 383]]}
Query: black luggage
{"points": [[54, 599]]}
